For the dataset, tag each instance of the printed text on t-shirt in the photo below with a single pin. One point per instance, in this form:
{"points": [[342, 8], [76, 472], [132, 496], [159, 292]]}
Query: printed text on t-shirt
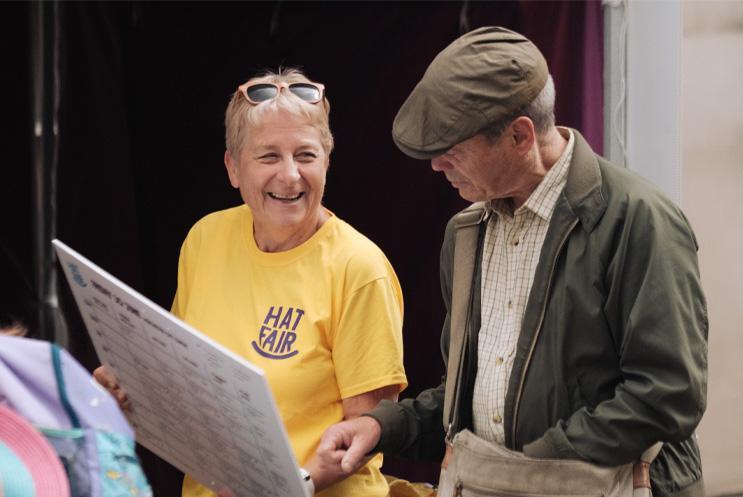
{"points": [[277, 334]]}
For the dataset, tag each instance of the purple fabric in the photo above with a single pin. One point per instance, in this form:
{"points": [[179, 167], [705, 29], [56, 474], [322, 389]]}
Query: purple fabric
{"points": [[571, 36], [28, 386], [94, 406], [592, 108], [27, 383]]}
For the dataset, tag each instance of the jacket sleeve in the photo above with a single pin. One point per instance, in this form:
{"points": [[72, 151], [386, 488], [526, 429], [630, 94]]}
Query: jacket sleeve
{"points": [[656, 311], [413, 428]]}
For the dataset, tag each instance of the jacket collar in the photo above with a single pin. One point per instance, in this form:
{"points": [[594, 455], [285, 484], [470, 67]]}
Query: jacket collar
{"points": [[583, 189]]}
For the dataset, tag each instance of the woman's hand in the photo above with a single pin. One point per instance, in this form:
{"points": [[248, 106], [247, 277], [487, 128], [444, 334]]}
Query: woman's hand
{"points": [[107, 380]]}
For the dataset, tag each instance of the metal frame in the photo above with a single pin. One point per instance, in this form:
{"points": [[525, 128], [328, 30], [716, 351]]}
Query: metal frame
{"points": [[642, 89], [44, 20]]}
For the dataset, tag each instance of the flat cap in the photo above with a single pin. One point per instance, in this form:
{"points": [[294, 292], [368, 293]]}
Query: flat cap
{"points": [[483, 76]]}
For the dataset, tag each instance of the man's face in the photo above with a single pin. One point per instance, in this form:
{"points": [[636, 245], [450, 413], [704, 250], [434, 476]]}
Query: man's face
{"points": [[481, 170]]}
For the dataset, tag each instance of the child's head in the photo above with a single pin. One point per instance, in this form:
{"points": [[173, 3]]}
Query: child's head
{"points": [[17, 301]]}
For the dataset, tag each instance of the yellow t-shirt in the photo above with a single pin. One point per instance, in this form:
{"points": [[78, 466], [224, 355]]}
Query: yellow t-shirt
{"points": [[323, 320]]}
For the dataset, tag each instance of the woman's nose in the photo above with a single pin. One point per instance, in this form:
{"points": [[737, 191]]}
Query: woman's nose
{"points": [[289, 170]]}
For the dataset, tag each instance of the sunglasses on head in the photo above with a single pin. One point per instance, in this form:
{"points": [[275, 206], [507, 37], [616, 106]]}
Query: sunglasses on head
{"points": [[256, 93]]}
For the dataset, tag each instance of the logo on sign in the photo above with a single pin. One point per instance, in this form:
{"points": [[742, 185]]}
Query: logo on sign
{"points": [[76, 276]]}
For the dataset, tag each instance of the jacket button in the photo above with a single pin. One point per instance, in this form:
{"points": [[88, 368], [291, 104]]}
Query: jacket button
{"points": [[498, 361]]}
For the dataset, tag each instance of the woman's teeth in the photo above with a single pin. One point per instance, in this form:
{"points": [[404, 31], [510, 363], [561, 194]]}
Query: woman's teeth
{"points": [[289, 197]]}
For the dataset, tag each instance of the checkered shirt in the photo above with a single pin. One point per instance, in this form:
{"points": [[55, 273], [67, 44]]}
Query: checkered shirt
{"points": [[513, 242]]}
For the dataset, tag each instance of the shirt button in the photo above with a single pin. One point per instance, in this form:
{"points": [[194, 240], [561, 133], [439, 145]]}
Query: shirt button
{"points": [[498, 361], [515, 242], [497, 418], [510, 304]]}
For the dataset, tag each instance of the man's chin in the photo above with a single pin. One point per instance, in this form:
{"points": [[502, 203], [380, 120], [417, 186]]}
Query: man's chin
{"points": [[470, 196]]}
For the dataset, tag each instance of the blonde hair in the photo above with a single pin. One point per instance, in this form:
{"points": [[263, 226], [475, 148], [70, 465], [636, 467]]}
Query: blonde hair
{"points": [[241, 115]]}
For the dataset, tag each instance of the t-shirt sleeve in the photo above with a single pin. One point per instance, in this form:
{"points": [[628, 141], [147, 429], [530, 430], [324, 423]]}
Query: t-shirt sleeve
{"points": [[367, 345], [185, 272]]}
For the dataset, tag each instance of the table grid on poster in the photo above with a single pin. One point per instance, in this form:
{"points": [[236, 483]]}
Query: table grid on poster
{"points": [[195, 404]]}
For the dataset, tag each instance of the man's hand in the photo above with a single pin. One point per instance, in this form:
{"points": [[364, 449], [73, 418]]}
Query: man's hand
{"points": [[108, 381], [344, 446]]}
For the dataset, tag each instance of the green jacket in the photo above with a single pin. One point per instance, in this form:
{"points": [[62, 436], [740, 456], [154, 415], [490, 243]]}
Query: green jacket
{"points": [[612, 354]]}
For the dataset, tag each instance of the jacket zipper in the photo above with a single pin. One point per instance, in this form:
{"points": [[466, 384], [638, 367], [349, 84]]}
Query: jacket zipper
{"points": [[536, 334]]}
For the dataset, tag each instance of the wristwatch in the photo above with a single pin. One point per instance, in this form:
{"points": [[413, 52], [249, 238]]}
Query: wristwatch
{"points": [[309, 485]]}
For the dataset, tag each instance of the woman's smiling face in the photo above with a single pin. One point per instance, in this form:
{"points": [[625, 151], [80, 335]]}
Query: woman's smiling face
{"points": [[281, 173]]}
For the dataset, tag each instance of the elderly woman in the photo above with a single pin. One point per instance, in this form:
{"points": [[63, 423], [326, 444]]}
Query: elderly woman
{"points": [[287, 284]]}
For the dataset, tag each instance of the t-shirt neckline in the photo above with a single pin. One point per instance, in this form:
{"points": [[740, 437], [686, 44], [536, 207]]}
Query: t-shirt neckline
{"points": [[285, 256]]}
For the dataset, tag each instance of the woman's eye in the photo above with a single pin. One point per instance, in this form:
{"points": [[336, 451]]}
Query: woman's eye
{"points": [[307, 155], [268, 157]]}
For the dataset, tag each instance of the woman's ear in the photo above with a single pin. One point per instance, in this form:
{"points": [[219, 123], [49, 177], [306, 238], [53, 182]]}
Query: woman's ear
{"points": [[232, 169]]}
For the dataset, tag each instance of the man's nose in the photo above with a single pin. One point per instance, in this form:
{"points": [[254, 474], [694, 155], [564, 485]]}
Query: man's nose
{"points": [[440, 164]]}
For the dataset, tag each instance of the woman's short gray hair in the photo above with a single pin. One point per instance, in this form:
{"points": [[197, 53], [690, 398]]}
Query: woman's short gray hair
{"points": [[541, 111], [242, 115]]}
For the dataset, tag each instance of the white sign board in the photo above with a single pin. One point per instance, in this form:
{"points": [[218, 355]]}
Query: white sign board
{"points": [[199, 406]]}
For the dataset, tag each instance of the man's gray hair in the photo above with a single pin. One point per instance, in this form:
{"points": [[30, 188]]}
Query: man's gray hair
{"points": [[541, 111]]}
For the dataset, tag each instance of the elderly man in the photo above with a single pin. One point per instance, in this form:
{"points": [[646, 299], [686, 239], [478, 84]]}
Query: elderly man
{"points": [[584, 321]]}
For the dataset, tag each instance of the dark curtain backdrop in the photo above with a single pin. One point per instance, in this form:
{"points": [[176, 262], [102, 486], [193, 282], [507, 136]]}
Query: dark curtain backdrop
{"points": [[16, 279], [144, 88]]}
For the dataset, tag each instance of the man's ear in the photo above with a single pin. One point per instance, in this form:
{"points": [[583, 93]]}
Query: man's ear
{"points": [[232, 169], [523, 134]]}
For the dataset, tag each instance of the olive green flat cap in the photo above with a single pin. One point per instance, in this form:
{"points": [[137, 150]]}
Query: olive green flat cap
{"points": [[483, 76]]}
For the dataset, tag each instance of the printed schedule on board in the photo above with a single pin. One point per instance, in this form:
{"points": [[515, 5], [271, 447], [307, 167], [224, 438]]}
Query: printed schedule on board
{"points": [[196, 404]]}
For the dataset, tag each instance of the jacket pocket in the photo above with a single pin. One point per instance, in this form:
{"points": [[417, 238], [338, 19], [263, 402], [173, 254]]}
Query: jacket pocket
{"points": [[99, 463], [120, 472], [71, 449]]}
